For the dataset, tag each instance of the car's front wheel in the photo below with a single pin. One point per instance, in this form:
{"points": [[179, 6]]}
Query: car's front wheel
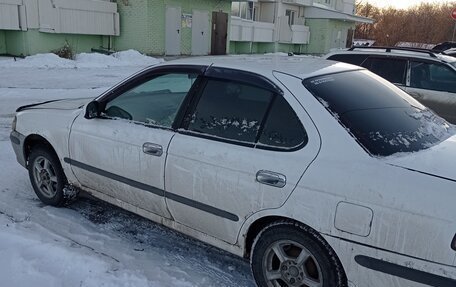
{"points": [[47, 176], [286, 254]]}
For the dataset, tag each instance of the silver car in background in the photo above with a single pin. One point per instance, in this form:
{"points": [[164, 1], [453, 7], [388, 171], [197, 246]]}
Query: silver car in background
{"points": [[428, 76]]}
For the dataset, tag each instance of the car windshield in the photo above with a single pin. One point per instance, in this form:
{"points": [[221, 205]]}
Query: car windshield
{"points": [[381, 117]]}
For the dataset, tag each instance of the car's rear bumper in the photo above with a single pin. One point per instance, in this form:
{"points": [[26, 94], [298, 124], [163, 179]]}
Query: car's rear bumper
{"points": [[17, 141]]}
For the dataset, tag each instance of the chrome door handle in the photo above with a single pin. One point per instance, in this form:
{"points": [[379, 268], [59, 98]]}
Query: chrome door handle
{"points": [[271, 178], [153, 149]]}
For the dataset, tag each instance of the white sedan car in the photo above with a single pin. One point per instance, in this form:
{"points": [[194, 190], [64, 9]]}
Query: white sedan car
{"points": [[321, 173]]}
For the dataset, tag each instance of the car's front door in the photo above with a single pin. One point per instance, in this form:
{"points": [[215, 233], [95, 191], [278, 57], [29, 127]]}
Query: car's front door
{"points": [[434, 85], [242, 149], [122, 153]]}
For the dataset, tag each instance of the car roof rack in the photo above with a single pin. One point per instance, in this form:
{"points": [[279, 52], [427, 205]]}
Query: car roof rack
{"points": [[388, 49]]}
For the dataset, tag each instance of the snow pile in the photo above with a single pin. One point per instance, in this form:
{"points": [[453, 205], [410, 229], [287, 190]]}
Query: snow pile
{"points": [[83, 60], [39, 61], [136, 58], [95, 60]]}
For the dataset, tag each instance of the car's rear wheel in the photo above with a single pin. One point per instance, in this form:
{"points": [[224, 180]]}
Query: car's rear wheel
{"points": [[47, 176], [287, 254]]}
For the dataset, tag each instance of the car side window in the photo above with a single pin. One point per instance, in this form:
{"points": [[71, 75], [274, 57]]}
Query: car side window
{"points": [[154, 102], [393, 70], [432, 77], [230, 110], [282, 128]]}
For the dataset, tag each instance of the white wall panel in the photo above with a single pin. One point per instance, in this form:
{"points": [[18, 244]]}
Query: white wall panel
{"points": [[48, 18], [86, 22], [9, 14], [11, 2], [78, 17], [31, 11], [263, 32]]}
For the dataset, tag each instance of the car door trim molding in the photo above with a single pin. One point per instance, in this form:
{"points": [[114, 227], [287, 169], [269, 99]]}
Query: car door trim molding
{"points": [[386, 250], [157, 191], [404, 272], [115, 177]]}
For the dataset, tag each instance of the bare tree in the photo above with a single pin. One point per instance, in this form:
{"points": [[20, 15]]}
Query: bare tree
{"points": [[424, 23]]}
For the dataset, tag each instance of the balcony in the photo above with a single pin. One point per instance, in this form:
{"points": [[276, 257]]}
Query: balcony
{"points": [[300, 34], [299, 2], [251, 31], [292, 34], [12, 15]]}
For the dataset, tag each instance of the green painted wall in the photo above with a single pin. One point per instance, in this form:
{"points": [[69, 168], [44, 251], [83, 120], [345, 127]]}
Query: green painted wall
{"points": [[242, 48], [142, 23], [2, 42], [142, 27], [135, 20], [261, 48], [32, 42], [343, 26], [321, 35], [265, 48], [15, 43]]}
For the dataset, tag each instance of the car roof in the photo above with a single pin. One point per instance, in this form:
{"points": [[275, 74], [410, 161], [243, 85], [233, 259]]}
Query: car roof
{"points": [[299, 66], [398, 52]]}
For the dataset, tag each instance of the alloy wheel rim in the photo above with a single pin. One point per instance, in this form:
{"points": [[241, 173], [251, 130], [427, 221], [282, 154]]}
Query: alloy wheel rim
{"points": [[45, 177], [289, 264]]}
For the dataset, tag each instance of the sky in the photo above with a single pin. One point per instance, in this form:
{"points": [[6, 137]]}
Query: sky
{"points": [[401, 4]]}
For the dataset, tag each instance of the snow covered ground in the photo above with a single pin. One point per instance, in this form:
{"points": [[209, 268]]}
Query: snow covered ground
{"points": [[89, 243]]}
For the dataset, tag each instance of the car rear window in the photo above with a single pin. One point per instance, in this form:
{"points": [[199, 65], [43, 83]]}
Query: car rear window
{"points": [[381, 117]]}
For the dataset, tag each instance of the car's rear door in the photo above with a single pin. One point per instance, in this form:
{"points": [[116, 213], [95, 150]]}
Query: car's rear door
{"points": [[393, 69], [122, 153], [434, 85], [242, 149]]}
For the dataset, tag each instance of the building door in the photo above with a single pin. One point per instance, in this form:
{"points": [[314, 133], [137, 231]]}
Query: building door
{"points": [[200, 33], [219, 33], [173, 31], [350, 38], [336, 40]]}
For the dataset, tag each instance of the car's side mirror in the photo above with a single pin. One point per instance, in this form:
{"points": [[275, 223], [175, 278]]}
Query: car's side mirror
{"points": [[92, 110]]}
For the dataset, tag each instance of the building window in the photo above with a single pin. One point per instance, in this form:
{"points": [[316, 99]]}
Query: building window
{"points": [[328, 1], [244, 10], [291, 16]]}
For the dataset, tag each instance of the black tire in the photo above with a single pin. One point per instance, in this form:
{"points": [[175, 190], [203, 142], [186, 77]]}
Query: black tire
{"points": [[319, 267], [53, 180]]}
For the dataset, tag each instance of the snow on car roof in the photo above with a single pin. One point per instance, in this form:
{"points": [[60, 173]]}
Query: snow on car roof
{"points": [[299, 66]]}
